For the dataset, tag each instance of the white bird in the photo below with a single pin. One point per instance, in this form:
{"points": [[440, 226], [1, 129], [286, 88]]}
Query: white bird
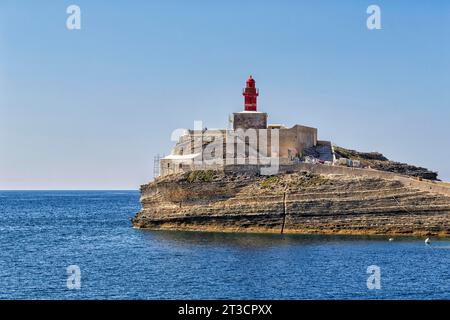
{"points": [[427, 241], [391, 239]]}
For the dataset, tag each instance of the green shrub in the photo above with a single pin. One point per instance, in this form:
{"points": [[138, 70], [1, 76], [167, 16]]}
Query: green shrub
{"points": [[269, 181], [200, 175]]}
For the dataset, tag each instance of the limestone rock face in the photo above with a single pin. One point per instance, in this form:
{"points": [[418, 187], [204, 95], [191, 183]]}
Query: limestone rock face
{"points": [[300, 202]]}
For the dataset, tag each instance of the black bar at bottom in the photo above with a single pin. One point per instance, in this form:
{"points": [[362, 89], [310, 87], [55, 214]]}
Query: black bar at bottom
{"points": [[225, 309]]}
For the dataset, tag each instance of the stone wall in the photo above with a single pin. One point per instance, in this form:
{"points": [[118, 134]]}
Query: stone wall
{"points": [[296, 139], [168, 167], [249, 120]]}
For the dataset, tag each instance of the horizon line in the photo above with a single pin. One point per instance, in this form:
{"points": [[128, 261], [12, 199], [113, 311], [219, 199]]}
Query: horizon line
{"points": [[1, 190]]}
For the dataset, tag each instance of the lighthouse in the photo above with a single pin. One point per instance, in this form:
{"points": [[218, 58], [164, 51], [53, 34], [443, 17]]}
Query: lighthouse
{"points": [[250, 118], [250, 94]]}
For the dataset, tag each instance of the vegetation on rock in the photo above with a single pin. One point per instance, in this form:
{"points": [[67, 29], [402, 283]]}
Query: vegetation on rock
{"points": [[269, 181], [378, 161], [355, 155], [199, 175]]}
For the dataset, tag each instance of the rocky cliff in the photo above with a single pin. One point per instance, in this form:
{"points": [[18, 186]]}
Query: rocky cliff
{"points": [[378, 161], [298, 202]]}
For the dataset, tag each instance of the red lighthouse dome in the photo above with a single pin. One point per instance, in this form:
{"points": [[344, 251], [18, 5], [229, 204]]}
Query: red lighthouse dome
{"points": [[250, 82], [250, 94]]}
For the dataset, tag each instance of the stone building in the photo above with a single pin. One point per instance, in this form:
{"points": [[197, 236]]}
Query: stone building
{"points": [[251, 140]]}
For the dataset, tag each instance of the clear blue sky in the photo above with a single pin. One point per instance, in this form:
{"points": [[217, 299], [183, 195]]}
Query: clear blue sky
{"points": [[89, 109]]}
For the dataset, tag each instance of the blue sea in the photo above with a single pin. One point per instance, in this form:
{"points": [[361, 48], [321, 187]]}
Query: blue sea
{"points": [[44, 232]]}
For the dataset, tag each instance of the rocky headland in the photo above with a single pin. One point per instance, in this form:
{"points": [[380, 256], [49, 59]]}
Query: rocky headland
{"points": [[322, 199]]}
